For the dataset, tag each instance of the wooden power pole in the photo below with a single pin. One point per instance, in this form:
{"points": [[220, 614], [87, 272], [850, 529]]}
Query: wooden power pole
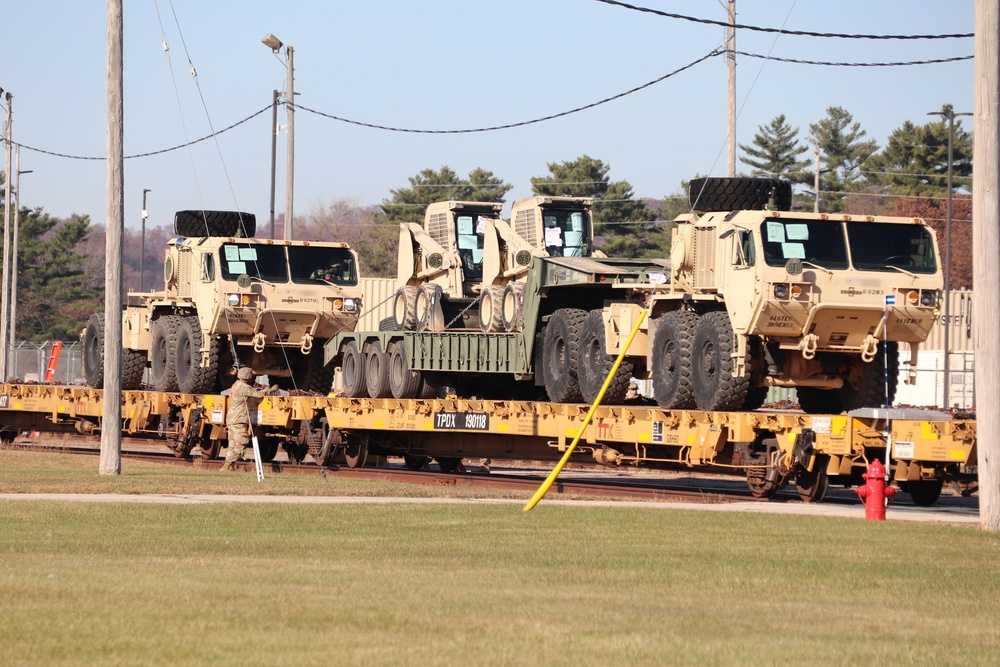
{"points": [[111, 423], [986, 256], [731, 60]]}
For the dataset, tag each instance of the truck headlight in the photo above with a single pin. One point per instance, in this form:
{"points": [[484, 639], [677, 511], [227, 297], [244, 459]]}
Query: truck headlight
{"points": [[780, 291], [928, 298], [351, 305], [237, 300]]}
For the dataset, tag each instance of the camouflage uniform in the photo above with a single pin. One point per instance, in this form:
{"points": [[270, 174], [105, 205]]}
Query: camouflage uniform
{"points": [[238, 417]]}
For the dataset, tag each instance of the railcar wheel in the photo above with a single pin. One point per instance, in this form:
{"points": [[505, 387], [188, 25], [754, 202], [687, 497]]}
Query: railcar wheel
{"points": [[925, 492], [404, 308], [812, 486], [412, 462], [355, 452], [403, 383], [671, 359], [210, 448], [491, 310], [93, 351], [449, 464], [594, 363], [377, 371], [163, 353], [268, 446], [560, 352], [716, 384], [352, 371], [330, 448]]}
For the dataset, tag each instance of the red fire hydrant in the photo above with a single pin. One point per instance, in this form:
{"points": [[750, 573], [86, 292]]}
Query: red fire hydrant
{"points": [[875, 493]]}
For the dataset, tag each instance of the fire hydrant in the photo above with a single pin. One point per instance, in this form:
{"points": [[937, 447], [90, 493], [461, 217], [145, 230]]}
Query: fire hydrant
{"points": [[875, 493]]}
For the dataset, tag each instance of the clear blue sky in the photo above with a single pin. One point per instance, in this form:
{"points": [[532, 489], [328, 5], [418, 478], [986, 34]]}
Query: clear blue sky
{"points": [[443, 64]]}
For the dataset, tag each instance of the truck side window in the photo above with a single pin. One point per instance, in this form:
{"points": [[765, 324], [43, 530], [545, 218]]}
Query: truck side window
{"points": [[208, 267], [746, 254]]}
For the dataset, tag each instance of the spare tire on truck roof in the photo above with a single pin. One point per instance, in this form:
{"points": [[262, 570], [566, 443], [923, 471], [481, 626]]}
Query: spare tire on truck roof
{"points": [[215, 223], [736, 194]]}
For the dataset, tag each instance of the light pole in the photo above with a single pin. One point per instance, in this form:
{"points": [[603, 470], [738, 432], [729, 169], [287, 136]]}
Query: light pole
{"points": [[275, 45], [4, 302], [948, 114], [13, 248], [142, 239]]}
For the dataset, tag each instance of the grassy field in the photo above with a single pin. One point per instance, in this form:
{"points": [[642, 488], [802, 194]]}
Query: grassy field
{"points": [[484, 584]]}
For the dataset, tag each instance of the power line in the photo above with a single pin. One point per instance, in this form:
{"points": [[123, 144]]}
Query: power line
{"points": [[834, 64], [802, 33]]}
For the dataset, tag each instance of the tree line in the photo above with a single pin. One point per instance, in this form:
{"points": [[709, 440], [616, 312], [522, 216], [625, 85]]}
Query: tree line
{"points": [[61, 272]]}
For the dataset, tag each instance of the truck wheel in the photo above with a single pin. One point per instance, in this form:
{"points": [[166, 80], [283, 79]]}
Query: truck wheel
{"points": [[594, 364], [512, 311], [429, 315], [560, 352], [377, 371], [867, 389], [133, 368], [93, 351], [215, 223], [816, 401], [192, 378], [716, 386], [352, 371], [491, 310], [743, 193], [403, 382], [404, 308], [671, 359], [163, 353]]}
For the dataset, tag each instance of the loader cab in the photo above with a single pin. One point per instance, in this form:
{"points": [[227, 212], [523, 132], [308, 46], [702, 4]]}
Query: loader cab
{"points": [[560, 226], [469, 231]]}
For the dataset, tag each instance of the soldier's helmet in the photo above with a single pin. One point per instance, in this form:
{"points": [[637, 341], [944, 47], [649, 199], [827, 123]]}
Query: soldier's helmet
{"points": [[245, 373]]}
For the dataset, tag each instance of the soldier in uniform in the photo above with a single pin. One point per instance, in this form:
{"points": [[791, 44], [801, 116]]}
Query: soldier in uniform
{"points": [[238, 417]]}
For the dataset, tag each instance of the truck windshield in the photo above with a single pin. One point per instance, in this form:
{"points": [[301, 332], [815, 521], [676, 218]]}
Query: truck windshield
{"points": [[314, 265], [566, 233], [266, 262], [818, 242], [878, 246]]}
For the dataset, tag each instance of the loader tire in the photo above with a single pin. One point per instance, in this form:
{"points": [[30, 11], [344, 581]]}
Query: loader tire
{"points": [[734, 194]]}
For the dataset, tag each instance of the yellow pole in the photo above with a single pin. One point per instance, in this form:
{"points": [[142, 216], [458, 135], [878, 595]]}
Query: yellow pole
{"points": [[547, 484]]}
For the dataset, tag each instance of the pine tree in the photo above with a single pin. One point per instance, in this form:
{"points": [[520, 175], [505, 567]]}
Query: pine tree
{"points": [[429, 186], [775, 151], [842, 151]]}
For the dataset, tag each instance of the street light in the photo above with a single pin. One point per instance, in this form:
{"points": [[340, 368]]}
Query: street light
{"points": [[142, 239], [948, 114], [275, 45]]}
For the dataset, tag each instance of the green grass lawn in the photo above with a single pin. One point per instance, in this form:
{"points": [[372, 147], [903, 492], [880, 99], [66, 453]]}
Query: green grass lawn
{"points": [[478, 584]]}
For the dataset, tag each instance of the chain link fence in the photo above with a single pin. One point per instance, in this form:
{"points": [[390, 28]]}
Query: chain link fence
{"points": [[28, 362]]}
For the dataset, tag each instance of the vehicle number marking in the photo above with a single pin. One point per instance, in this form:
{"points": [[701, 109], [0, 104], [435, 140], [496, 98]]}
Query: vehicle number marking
{"points": [[658, 432], [471, 421]]}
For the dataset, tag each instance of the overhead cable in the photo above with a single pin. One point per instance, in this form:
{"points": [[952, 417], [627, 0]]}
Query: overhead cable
{"points": [[803, 33]]}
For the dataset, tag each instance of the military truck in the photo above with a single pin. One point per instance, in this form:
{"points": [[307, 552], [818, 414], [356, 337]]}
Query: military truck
{"points": [[231, 300], [466, 266], [751, 297]]}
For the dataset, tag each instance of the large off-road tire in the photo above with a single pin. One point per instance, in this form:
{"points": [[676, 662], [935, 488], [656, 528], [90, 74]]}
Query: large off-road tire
{"points": [[491, 310], [716, 384], [594, 364], [671, 359], [192, 377], [404, 308], [513, 308], [318, 377], [867, 386], [352, 371], [734, 194], [163, 353], [93, 351], [403, 383], [430, 316], [387, 324], [377, 371], [215, 223], [560, 352], [133, 368]]}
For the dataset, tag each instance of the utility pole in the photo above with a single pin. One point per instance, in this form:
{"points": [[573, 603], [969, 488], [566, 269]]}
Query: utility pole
{"points": [[4, 298], [986, 255], [142, 239], [949, 115], [731, 59], [274, 149], [290, 157], [13, 246], [111, 422]]}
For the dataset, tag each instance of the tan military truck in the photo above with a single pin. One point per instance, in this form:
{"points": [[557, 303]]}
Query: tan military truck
{"points": [[466, 266], [231, 300]]}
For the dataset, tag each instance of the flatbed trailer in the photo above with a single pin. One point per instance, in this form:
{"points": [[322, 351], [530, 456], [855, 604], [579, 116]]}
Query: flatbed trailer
{"points": [[771, 448]]}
